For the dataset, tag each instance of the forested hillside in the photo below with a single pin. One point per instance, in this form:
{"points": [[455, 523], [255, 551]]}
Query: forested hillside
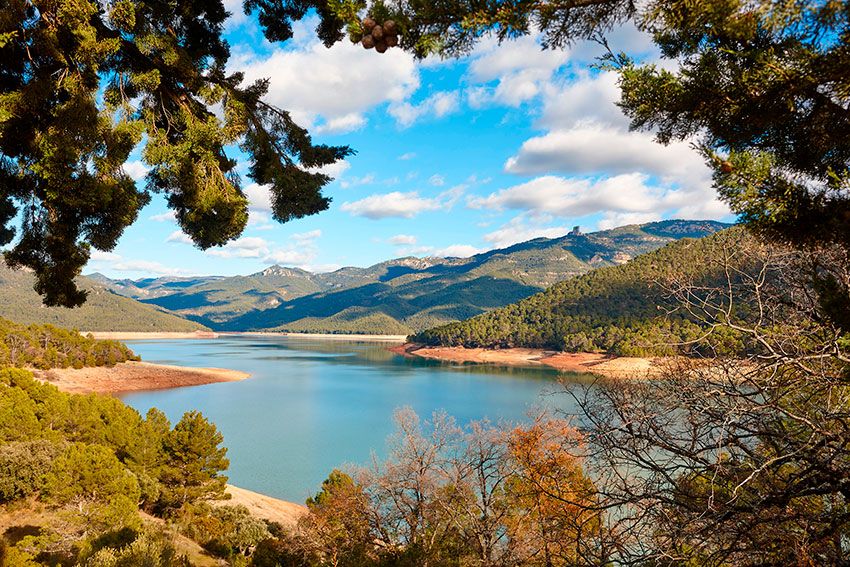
{"points": [[406, 294], [103, 311], [46, 346], [78, 470], [621, 310]]}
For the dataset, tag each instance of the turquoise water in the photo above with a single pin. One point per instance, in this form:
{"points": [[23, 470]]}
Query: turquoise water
{"points": [[313, 405]]}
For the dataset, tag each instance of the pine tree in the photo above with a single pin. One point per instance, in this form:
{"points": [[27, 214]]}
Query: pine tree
{"points": [[83, 82], [194, 460]]}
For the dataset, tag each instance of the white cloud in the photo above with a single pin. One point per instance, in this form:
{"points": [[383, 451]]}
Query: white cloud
{"points": [[334, 170], [136, 170], [305, 237], [260, 220], [342, 124], [148, 267], [167, 216], [291, 257], [407, 156], [512, 72], [237, 15], [402, 240], [437, 105], [594, 149], [245, 247], [518, 231], [583, 99], [100, 256], [611, 196], [118, 263], [367, 179], [301, 251], [437, 180], [458, 251], [179, 236], [403, 205], [330, 89], [259, 197]]}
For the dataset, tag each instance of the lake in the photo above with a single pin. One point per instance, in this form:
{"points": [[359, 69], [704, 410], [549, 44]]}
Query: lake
{"points": [[312, 405]]}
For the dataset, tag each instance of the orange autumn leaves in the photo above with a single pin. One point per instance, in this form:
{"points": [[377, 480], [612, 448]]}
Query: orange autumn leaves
{"points": [[492, 495]]}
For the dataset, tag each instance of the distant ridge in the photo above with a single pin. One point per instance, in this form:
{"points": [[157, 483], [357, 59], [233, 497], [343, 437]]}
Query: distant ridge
{"points": [[617, 310], [103, 311], [402, 295]]}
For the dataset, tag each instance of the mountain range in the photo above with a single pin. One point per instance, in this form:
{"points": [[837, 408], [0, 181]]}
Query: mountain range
{"points": [[399, 296], [104, 310], [624, 310]]}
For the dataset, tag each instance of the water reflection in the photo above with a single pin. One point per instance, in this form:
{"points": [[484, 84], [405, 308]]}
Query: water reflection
{"points": [[312, 405]]}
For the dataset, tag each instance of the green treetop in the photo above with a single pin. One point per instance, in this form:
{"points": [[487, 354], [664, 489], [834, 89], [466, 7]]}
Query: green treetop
{"points": [[761, 88], [82, 83]]}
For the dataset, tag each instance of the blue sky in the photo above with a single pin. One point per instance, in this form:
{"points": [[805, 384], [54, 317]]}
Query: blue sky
{"points": [[453, 157]]}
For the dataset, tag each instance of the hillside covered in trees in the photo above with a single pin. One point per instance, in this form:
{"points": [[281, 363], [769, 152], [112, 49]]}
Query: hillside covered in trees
{"points": [[46, 346], [78, 470], [402, 295], [103, 310], [626, 310]]}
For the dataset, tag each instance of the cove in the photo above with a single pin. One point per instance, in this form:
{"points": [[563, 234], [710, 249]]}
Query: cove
{"points": [[313, 405]]}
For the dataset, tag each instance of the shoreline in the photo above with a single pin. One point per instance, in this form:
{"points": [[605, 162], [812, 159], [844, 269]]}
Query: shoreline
{"points": [[157, 335], [262, 506], [604, 365], [147, 335], [134, 376]]}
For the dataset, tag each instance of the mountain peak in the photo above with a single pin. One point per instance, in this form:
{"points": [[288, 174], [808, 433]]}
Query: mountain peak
{"points": [[282, 271]]}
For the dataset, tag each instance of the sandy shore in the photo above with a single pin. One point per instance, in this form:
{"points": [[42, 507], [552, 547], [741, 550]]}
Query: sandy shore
{"points": [[144, 335], [345, 337], [262, 506], [585, 362], [133, 377], [136, 336], [352, 337]]}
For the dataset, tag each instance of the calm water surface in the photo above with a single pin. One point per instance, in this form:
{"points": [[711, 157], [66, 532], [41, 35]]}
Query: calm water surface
{"points": [[312, 405]]}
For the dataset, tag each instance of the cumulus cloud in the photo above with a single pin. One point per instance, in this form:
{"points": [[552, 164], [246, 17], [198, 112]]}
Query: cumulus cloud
{"points": [[518, 230], [512, 72], [407, 156], [581, 99], [179, 236], [116, 262], [259, 197], [402, 240], [437, 105], [334, 170], [457, 251], [260, 220], [245, 247], [148, 267], [167, 216], [305, 237], [576, 197], [594, 149], [300, 251], [136, 170], [367, 179], [402, 205], [452, 251], [330, 89], [291, 257]]}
